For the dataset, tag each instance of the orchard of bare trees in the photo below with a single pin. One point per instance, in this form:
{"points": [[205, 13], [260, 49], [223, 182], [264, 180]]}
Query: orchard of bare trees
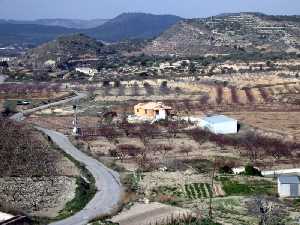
{"points": [[17, 90], [251, 145]]}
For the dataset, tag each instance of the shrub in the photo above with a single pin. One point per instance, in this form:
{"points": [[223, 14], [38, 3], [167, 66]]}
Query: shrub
{"points": [[188, 220], [252, 171], [9, 108], [226, 169]]}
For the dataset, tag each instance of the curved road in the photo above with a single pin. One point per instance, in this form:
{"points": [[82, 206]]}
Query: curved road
{"points": [[109, 188], [20, 116], [109, 193]]}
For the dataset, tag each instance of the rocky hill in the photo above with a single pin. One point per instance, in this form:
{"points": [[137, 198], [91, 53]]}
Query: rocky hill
{"points": [[229, 33], [63, 49]]}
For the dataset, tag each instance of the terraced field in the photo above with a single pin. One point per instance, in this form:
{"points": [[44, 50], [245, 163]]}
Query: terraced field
{"points": [[206, 93], [188, 191], [197, 191]]}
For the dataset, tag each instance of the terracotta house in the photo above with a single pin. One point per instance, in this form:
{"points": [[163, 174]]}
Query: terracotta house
{"points": [[152, 110]]}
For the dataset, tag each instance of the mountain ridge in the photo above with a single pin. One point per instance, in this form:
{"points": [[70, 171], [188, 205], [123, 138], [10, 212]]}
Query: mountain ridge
{"points": [[133, 26], [61, 22], [126, 26]]}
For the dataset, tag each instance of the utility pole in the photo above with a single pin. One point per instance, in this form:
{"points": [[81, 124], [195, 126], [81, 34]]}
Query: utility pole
{"points": [[212, 189], [76, 129]]}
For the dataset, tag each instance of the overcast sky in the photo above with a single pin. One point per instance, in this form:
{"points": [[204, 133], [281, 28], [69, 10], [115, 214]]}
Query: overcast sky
{"points": [[89, 9]]}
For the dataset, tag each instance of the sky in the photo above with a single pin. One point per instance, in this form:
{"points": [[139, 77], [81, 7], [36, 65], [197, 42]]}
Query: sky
{"points": [[91, 9]]}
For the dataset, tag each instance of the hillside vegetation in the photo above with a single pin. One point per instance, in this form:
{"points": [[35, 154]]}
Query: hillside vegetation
{"points": [[227, 34], [23, 152], [35, 178], [64, 48]]}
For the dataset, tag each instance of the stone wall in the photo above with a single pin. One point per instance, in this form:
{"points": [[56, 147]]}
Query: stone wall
{"points": [[40, 196]]}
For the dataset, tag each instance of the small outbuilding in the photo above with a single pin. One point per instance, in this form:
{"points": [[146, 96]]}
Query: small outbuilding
{"points": [[87, 71], [288, 186], [220, 124], [152, 110]]}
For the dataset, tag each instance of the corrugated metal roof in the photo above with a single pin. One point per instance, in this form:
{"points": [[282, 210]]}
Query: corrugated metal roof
{"points": [[218, 119], [5, 216], [289, 179]]}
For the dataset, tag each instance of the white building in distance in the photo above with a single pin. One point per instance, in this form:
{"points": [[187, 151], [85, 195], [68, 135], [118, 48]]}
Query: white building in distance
{"points": [[5, 216], [220, 124], [6, 59], [288, 186], [86, 70]]}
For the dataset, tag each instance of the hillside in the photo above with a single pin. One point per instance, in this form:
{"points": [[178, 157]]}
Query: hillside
{"points": [[229, 33], [63, 49], [35, 178], [133, 26]]}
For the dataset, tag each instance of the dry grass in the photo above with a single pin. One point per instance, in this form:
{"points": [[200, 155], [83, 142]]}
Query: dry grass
{"points": [[283, 122]]}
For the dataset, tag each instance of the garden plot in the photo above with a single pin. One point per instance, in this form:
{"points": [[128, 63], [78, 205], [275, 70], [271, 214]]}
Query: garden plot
{"points": [[182, 185], [185, 192], [197, 190], [227, 210], [247, 186]]}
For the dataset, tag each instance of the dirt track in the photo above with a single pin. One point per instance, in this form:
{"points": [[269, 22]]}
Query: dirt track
{"points": [[145, 214]]}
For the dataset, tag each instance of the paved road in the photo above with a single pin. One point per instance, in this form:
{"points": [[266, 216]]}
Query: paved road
{"points": [[20, 116], [109, 194], [109, 188]]}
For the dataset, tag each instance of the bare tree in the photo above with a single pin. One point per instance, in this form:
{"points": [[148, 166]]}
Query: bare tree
{"points": [[249, 95], [149, 89], [185, 149], [264, 94], [164, 89], [269, 211], [91, 90], [234, 95], [135, 89], [220, 92]]}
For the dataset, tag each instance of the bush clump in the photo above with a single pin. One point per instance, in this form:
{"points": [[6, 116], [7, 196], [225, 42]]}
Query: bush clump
{"points": [[252, 171], [188, 220], [226, 169]]}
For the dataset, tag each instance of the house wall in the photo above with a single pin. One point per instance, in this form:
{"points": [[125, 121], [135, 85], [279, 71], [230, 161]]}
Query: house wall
{"points": [[225, 128], [144, 113], [284, 190], [221, 128], [294, 189], [162, 115]]}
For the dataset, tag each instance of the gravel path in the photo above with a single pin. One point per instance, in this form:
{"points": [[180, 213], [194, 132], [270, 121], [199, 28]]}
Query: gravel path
{"points": [[145, 214]]}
